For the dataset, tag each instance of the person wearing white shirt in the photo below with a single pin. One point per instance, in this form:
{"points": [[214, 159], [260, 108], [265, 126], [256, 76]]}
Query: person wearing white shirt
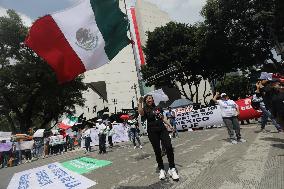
{"points": [[102, 136], [53, 142], [229, 112], [110, 133]]}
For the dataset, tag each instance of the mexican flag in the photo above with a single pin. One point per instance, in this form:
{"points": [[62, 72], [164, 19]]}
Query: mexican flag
{"points": [[81, 38], [68, 122]]}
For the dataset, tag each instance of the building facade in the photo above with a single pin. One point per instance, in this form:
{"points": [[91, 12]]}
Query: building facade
{"points": [[115, 85]]}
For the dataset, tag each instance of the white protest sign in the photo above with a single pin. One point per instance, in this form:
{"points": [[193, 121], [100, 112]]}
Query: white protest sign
{"points": [[94, 136], [26, 145], [198, 118], [49, 176], [5, 135], [39, 133], [120, 133]]}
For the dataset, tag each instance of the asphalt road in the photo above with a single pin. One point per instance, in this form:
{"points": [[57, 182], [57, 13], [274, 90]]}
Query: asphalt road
{"points": [[204, 160]]}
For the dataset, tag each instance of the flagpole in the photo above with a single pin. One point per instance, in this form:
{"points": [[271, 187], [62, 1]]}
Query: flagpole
{"points": [[133, 52]]}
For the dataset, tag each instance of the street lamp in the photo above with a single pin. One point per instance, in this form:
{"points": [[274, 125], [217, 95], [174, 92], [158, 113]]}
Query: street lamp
{"points": [[115, 103]]}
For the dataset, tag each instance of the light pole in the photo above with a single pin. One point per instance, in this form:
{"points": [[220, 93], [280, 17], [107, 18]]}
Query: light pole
{"points": [[135, 89], [115, 103]]}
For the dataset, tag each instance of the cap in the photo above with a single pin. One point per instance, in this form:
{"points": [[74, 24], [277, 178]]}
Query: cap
{"points": [[265, 76], [223, 94]]}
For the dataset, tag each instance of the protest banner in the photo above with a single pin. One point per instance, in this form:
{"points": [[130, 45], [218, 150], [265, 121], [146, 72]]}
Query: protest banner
{"points": [[5, 135], [120, 135], [26, 145], [182, 110], [246, 110], [84, 164], [94, 136], [188, 118], [49, 176], [5, 147]]}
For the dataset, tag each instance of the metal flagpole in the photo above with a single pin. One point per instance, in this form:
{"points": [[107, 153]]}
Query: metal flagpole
{"points": [[135, 59]]}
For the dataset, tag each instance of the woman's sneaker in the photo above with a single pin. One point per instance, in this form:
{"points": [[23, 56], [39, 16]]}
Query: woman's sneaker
{"points": [[241, 140], [162, 175], [173, 173]]}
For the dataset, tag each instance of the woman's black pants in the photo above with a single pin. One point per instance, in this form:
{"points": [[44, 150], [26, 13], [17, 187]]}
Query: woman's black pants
{"points": [[156, 137]]}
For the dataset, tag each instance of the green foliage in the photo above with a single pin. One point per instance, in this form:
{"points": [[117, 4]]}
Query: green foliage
{"points": [[173, 45], [240, 34], [235, 86], [235, 35], [29, 93]]}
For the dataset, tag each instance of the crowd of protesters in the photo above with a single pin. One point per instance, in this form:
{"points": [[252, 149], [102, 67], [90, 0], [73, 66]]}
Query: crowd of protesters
{"points": [[50, 144], [269, 98]]}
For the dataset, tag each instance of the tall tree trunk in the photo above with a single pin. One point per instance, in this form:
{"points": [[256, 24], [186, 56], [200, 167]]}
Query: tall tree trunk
{"points": [[196, 92], [204, 93], [183, 93], [12, 124]]}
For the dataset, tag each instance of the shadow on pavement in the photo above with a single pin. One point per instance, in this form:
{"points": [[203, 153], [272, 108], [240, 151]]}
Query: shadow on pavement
{"points": [[158, 185], [143, 156], [273, 139], [281, 146]]}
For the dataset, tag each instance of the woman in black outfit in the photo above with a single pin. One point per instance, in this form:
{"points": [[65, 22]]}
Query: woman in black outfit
{"points": [[158, 133]]}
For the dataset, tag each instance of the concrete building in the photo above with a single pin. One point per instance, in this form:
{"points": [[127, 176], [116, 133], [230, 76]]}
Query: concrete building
{"points": [[115, 85]]}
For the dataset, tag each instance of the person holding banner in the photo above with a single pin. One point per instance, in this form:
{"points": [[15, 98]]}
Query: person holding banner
{"points": [[229, 112], [157, 133]]}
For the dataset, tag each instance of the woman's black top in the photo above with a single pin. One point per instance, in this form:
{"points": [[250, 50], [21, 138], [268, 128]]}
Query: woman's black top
{"points": [[152, 114]]}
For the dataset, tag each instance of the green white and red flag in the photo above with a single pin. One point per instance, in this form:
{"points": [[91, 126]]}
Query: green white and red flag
{"points": [[81, 38], [68, 122]]}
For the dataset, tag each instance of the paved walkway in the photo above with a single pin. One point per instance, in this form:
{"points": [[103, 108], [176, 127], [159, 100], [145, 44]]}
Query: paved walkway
{"points": [[204, 159]]}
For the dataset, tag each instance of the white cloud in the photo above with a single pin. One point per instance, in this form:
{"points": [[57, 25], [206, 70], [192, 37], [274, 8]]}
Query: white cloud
{"points": [[186, 11], [26, 20]]}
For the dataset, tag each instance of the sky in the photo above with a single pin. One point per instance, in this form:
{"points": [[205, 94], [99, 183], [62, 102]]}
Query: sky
{"points": [[186, 11]]}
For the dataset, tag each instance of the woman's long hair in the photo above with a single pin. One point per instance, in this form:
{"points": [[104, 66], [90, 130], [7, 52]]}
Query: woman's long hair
{"points": [[148, 108]]}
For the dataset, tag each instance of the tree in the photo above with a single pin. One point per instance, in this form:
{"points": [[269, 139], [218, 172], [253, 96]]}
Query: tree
{"points": [[174, 46], [241, 34], [29, 93], [235, 86]]}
